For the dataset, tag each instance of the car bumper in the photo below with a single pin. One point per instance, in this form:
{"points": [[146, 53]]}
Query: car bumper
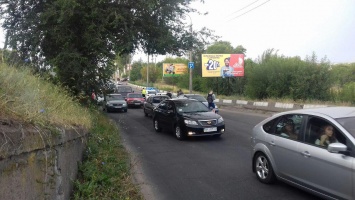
{"points": [[204, 131], [116, 108], [135, 103]]}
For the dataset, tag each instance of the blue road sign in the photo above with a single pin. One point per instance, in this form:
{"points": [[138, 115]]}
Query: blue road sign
{"points": [[191, 65]]}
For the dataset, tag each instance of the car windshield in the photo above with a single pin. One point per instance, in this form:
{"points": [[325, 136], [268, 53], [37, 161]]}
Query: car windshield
{"points": [[124, 89], [190, 107], [134, 95], [348, 124], [197, 97], [151, 92], [114, 97]]}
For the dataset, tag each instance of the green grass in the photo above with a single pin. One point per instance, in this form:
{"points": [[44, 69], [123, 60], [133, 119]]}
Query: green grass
{"points": [[33, 100], [105, 173], [105, 170]]}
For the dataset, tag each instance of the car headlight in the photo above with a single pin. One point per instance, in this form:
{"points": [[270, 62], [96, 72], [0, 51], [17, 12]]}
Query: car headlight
{"points": [[124, 104], [190, 122], [220, 120], [110, 104]]}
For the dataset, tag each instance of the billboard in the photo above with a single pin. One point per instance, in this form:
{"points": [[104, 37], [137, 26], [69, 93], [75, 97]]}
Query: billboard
{"points": [[174, 69], [222, 65]]}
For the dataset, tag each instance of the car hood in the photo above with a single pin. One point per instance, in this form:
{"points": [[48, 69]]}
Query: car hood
{"points": [[201, 115], [117, 101]]}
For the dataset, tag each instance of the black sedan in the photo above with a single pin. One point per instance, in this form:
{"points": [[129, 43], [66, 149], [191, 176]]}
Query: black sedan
{"points": [[187, 118]]}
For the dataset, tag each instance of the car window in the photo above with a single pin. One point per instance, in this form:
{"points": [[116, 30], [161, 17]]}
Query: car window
{"points": [[149, 100], [114, 97], [190, 106], [163, 105], [316, 128], [156, 100], [124, 89], [197, 97], [269, 126], [289, 126], [349, 124], [135, 95]]}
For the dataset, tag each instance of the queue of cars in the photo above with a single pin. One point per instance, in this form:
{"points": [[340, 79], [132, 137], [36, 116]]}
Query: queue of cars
{"points": [[313, 149]]}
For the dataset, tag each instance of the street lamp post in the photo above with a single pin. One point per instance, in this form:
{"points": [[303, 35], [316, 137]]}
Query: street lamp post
{"points": [[190, 58]]}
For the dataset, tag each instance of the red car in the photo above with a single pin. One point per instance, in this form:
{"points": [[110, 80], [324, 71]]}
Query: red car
{"points": [[134, 100]]}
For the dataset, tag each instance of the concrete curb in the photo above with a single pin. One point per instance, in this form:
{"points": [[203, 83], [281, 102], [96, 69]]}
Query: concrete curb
{"points": [[261, 105]]}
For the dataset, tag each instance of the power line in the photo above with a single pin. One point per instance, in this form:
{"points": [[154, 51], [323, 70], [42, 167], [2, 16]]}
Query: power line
{"points": [[244, 7], [249, 10]]}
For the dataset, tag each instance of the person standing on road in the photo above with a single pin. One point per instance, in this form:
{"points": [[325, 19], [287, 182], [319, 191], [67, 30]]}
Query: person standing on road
{"points": [[143, 92], [179, 92], [210, 99]]}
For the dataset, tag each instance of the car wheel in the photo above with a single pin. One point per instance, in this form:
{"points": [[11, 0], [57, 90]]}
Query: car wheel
{"points": [[263, 169], [145, 112], [125, 110], [156, 125], [178, 133], [107, 110]]}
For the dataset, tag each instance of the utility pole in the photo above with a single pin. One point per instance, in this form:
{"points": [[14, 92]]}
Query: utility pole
{"points": [[148, 71], [190, 58]]}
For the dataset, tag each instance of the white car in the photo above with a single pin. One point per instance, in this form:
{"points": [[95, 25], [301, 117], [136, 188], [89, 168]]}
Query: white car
{"points": [[149, 93]]}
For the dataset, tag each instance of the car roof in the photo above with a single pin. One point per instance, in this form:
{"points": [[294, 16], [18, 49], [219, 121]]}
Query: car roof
{"points": [[333, 112], [181, 100], [192, 94], [114, 94]]}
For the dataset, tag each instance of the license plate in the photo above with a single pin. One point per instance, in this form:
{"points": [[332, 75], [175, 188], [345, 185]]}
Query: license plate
{"points": [[210, 129], [137, 103], [118, 106]]}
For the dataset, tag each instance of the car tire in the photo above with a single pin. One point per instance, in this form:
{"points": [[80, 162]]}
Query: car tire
{"points": [[263, 168], [125, 110], [178, 133], [145, 112], [156, 125], [107, 110]]}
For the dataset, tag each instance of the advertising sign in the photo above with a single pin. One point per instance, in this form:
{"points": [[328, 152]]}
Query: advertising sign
{"points": [[174, 69], [222, 65]]}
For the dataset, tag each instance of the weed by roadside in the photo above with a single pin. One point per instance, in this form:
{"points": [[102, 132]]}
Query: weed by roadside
{"points": [[105, 171]]}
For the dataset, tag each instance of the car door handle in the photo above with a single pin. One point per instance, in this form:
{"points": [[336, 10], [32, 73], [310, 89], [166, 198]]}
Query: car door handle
{"points": [[306, 154], [272, 143]]}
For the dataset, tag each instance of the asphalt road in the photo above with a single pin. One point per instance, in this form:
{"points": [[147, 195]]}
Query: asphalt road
{"points": [[198, 168]]}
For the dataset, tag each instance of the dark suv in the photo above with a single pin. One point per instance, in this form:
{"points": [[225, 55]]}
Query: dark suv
{"points": [[187, 118]]}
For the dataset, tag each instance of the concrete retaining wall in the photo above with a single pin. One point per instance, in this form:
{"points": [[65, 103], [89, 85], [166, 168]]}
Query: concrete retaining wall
{"points": [[39, 164]]}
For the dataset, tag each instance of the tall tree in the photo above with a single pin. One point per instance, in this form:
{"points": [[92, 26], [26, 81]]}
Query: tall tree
{"points": [[80, 38]]}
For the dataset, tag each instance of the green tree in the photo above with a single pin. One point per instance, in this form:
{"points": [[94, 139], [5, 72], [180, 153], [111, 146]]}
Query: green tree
{"points": [[79, 39], [135, 73]]}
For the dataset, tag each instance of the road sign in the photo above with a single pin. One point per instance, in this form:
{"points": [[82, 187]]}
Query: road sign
{"points": [[191, 65]]}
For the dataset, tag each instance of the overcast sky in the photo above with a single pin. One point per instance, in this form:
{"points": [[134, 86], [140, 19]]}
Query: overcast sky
{"points": [[293, 27]]}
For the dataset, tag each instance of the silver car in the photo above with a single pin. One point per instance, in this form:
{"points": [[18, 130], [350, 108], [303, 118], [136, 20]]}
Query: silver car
{"points": [[313, 149], [114, 102]]}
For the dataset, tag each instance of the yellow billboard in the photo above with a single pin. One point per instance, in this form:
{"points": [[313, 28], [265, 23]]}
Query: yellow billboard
{"points": [[222, 65], [174, 69]]}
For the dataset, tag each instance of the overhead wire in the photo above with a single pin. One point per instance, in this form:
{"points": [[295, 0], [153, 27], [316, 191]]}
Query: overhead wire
{"points": [[244, 7], [248, 11]]}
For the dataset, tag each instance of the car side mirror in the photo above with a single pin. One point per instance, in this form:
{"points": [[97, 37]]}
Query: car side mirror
{"points": [[170, 111], [337, 147]]}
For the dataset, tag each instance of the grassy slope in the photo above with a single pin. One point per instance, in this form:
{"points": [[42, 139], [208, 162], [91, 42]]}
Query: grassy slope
{"points": [[105, 171]]}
